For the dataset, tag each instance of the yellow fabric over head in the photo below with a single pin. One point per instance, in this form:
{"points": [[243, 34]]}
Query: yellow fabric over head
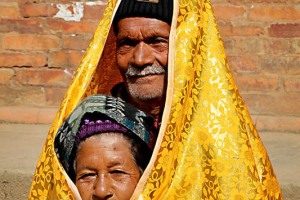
{"points": [[207, 148]]}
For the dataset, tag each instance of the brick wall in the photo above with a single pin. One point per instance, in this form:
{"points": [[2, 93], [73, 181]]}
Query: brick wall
{"points": [[42, 42]]}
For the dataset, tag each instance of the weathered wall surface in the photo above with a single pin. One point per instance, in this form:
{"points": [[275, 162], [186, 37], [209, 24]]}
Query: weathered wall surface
{"points": [[42, 42]]}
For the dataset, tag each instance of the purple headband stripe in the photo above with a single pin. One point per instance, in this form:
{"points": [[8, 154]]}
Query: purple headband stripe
{"points": [[90, 128]]}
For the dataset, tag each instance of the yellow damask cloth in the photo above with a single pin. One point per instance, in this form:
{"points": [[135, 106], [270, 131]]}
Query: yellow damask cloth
{"points": [[207, 148]]}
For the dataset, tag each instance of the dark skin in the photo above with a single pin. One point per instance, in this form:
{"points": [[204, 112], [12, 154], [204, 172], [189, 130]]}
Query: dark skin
{"points": [[143, 42], [106, 168]]}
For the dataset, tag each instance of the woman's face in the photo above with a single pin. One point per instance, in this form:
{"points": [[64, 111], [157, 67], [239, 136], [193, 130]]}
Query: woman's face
{"points": [[105, 168]]}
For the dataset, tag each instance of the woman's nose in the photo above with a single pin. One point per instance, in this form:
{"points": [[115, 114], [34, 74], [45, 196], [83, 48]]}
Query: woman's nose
{"points": [[102, 188], [142, 55]]}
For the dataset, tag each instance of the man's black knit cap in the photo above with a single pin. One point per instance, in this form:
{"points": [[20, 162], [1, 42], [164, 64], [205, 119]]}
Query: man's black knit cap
{"points": [[163, 10]]}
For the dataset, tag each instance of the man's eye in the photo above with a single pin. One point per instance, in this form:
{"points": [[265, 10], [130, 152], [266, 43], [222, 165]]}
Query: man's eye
{"points": [[159, 43], [125, 46], [159, 40], [126, 43]]}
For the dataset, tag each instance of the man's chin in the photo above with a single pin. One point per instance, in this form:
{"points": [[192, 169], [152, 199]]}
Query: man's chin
{"points": [[149, 79], [144, 93], [146, 88]]}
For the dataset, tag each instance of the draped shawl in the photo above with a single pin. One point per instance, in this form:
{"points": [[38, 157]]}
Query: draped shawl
{"points": [[208, 146]]}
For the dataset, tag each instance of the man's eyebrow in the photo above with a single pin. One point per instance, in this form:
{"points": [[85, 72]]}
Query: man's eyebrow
{"points": [[126, 38]]}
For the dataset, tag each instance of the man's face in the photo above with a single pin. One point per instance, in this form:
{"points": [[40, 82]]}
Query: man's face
{"points": [[105, 168], [142, 56]]}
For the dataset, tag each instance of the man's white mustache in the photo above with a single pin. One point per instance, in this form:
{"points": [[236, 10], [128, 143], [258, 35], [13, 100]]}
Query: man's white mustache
{"points": [[153, 69]]}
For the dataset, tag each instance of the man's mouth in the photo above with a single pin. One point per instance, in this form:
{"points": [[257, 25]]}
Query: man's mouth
{"points": [[148, 70], [143, 75]]}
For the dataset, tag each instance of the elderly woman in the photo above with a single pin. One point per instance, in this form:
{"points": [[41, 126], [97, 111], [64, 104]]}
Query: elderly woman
{"points": [[104, 146]]}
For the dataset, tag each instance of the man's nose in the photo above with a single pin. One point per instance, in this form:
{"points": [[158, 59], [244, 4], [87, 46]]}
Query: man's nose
{"points": [[102, 188], [142, 55]]}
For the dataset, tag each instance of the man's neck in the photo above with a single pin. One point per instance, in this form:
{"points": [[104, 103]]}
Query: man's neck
{"points": [[153, 107]]}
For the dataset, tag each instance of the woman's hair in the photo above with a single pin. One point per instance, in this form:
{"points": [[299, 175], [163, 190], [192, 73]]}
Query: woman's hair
{"points": [[140, 152]]}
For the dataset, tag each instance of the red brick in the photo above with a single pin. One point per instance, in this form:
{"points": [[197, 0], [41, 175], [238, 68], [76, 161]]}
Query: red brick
{"points": [[30, 42], [215, 2], [70, 71], [277, 46], [295, 46], [8, 1], [76, 42], [61, 26], [5, 95], [38, 10], [65, 59], [22, 2], [257, 83], [6, 75], [234, 2], [59, 59], [292, 84], [230, 46], [273, 103], [30, 95], [294, 65], [243, 63], [22, 25], [252, 45], [54, 96], [19, 114], [94, 10], [237, 46], [27, 114], [242, 30], [46, 115], [22, 59], [272, 13], [278, 123], [274, 64], [284, 30], [9, 10], [269, 1], [229, 13], [45, 77], [22, 95], [75, 58]]}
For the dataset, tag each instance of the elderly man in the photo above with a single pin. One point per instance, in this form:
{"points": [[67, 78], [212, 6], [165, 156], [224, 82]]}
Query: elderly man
{"points": [[175, 69], [142, 31]]}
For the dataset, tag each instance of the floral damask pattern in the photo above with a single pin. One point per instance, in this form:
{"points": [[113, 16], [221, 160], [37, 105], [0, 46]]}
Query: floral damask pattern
{"points": [[49, 181], [208, 147]]}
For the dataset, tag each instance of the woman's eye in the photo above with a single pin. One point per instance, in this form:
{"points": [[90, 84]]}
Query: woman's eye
{"points": [[87, 176], [118, 175], [118, 172]]}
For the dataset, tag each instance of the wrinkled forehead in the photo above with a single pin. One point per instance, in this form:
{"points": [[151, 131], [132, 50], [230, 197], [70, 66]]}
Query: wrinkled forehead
{"points": [[141, 28]]}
